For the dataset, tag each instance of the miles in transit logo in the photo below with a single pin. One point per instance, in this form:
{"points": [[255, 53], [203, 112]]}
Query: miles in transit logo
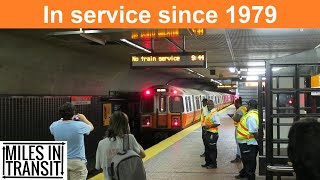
{"points": [[33, 160]]}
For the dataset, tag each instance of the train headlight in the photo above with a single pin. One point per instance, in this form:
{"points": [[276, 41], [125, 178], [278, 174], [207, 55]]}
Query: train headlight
{"points": [[146, 121], [175, 121]]}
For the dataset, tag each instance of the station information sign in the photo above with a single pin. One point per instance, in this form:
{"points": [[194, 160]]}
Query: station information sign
{"points": [[169, 60]]}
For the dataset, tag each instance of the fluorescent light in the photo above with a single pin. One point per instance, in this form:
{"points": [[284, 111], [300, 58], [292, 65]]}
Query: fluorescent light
{"points": [[317, 46], [232, 70], [256, 64], [189, 70], [135, 45], [252, 78], [276, 68], [255, 72]]}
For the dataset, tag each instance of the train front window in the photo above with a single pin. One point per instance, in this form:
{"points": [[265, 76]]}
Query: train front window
{"points": [[162, 104], [147, 104], [175, 104]]}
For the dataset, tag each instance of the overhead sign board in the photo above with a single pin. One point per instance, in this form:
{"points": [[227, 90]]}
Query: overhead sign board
{"points": [[169, 60]]}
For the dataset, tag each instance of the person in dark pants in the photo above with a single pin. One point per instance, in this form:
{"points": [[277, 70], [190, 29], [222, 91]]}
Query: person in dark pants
{"points": [[247, 135], [241, 111], [204, 113], [211, 123], [304, 148]]}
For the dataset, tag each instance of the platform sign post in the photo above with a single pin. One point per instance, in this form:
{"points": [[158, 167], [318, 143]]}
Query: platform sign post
{"points": [[169, 60], [107, 111], [315, 83]]}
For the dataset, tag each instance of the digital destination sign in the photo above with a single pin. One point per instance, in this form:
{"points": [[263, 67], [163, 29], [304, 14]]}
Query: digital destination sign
{"points": [[170, 60]]}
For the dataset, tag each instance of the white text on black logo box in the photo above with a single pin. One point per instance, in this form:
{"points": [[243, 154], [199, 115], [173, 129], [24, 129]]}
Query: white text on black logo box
{"points": [[33, 160]]}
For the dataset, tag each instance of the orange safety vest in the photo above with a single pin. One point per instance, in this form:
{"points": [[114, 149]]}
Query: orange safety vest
{"points": [[208, 122], [242, 130], [243, 109]]}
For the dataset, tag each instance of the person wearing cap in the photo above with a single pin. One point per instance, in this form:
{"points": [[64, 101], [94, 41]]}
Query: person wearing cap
{"points": [[247, 136], [204, 113], [241, 111], [211, 123]]}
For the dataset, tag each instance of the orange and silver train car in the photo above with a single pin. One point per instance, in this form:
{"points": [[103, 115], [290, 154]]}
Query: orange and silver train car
{"points": [[165, 107]]}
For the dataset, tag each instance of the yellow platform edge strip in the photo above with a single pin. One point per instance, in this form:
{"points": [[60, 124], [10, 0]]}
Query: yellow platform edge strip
{"points": [[156, 149]]}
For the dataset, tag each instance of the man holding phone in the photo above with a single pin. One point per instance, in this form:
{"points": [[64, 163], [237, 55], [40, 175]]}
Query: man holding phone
{"points": [[72, 128]]}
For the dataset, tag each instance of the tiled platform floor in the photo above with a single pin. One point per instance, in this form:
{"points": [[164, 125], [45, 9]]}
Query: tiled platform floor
{"points": [[182, 160]]}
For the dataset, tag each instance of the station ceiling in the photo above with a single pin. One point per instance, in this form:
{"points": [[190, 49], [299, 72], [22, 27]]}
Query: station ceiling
{"points": [[242, 49]]}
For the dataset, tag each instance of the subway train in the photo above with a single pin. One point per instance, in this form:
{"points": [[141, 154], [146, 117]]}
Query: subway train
{"points": [[170, 108]]}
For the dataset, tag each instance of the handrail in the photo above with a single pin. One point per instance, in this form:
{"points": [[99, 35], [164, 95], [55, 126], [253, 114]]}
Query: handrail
{"points": [[282, 169]]}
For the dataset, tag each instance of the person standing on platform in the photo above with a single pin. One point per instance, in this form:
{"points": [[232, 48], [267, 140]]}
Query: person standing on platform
{"points": [[113, 142], [72, 128], [211, 123], [247, 136], [240, 111], [304, 148], [204, 112]]}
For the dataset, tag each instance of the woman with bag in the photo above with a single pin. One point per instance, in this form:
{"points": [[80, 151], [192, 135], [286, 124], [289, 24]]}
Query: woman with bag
{"points": [[113, 143]]}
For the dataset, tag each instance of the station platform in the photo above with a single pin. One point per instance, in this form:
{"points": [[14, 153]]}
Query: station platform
{"points": [[178, 157]]}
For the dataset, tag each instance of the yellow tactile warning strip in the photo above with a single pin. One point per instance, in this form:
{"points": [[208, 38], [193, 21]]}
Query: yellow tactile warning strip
{"points": [[156, 149]]}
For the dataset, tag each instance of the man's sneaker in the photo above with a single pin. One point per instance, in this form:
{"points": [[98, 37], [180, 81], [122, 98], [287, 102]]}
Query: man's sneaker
{"points": [[202, 155], [212, 167], [239, 177], [204, 165], [236, 160]]}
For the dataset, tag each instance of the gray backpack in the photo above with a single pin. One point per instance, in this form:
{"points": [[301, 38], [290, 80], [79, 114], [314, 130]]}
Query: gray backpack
{"points": [[127, 164]]}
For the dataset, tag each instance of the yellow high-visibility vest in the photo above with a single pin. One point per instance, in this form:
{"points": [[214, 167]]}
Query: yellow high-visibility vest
{"points": [[208, 122], [243, 109], [242, 130]]}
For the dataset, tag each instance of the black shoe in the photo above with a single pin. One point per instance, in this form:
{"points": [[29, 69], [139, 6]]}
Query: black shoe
{"points": [[212, 167], [204, 165], [236, 160], [239, 177], [202, 155]]}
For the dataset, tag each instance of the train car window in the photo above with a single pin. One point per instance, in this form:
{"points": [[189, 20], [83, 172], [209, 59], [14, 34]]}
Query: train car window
{"points": [[190, 103], [197, 102], [163, 104], [187, 105], [147, 104], [176, 104]]}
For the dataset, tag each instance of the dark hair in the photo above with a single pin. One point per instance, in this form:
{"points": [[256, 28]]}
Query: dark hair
{"points": [[238, 101], [304, 148], [205, 100], [119, 125], [66, 111]]}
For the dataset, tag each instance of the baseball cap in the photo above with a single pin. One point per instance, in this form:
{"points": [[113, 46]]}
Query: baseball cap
{"points": [[252, 103], [204, 100]]}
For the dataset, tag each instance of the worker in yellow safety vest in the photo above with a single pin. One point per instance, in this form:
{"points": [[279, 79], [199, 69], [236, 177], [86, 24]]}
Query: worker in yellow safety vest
{"points": [[240, 111], [247, 137], [204, 112], [211, 123]]}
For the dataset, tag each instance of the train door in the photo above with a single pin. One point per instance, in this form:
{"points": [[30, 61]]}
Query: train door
{"points": [[161, 106]]}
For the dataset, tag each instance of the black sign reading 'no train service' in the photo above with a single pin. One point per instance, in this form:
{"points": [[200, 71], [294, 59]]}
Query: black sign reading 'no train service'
{"points": [[169, 60]]}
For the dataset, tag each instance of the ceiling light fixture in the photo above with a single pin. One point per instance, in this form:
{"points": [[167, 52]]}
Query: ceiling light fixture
{"points": [[256, 64], [135, 45], [252, 78], [232, 70]]}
